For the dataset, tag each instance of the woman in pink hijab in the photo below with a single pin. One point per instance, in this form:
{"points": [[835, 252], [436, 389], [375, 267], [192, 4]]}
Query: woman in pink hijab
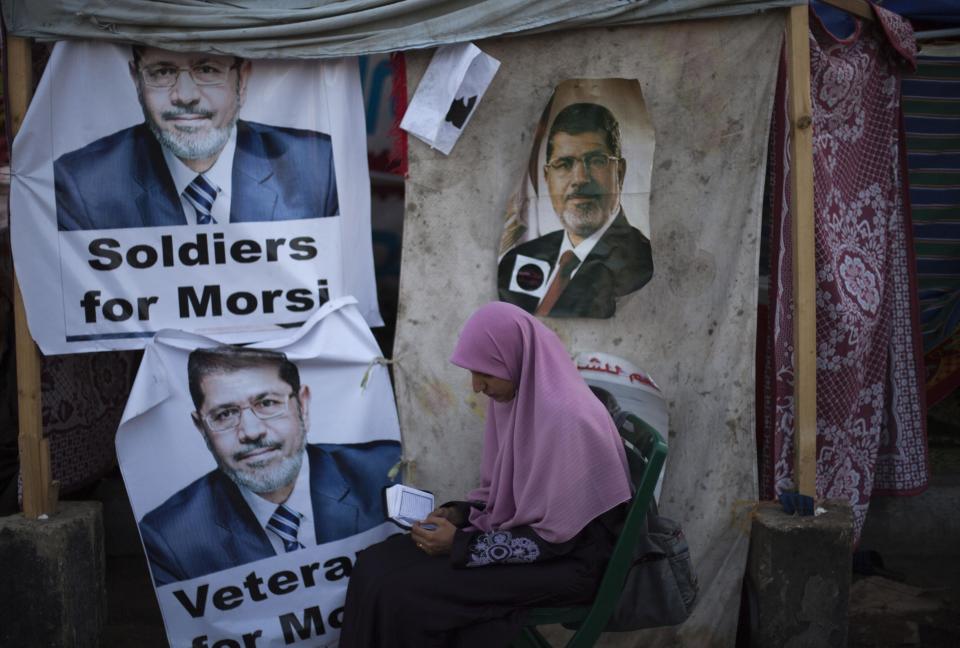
{"points": [[536, 532]]}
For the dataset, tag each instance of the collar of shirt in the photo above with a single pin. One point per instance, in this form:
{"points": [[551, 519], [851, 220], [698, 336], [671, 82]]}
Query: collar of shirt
{"points": [[220, 175], [582, 251], [300, 501]]}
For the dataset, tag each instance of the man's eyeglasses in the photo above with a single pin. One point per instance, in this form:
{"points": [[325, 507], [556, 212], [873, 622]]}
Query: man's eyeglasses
{"points": [[223, 419], [163, 75], [592, 163]]}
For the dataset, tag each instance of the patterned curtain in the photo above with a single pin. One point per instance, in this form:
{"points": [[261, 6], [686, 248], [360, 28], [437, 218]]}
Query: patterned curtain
{"points": [[871, 434]]}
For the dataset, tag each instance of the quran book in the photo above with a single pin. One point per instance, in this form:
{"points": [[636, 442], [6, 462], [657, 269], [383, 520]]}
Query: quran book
{"points": [[406, 505]]}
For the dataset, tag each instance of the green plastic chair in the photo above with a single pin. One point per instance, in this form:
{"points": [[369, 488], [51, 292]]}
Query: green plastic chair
{"points": [[646, 452]]}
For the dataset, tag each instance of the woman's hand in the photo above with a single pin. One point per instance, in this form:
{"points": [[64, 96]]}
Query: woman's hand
{"points": [[436, 542], [451, 513]]}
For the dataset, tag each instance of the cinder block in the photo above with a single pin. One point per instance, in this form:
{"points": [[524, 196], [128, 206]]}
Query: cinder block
{"points": [[798, 577], [52, 581]]}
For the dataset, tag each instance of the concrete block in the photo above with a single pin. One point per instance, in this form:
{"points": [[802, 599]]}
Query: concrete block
{"points": [[798, 577], [52, 588]]}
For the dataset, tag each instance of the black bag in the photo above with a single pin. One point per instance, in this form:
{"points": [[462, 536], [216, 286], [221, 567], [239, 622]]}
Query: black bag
{"points": [[661, 587]]}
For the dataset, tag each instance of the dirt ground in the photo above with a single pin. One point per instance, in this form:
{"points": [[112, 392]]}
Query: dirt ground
{"points": [[923, 611]]}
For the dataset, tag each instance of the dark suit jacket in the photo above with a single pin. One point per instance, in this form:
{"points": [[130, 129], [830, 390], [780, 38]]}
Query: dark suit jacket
{"points": [[208, 526], [618, 264], [122, 180]]}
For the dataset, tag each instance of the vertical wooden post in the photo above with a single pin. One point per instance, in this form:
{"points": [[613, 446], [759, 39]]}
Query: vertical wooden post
{"points": [[39, 493], [804, 255]]}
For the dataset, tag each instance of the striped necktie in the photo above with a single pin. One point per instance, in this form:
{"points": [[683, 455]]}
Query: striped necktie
{"points": [[286, 523], [201, 195]]}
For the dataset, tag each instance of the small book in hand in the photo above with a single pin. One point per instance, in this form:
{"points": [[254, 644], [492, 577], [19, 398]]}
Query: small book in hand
{"points": [[406, 505]]}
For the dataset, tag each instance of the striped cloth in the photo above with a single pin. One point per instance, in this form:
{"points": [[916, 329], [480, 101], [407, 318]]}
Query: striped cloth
{"points": [[931, 105]]}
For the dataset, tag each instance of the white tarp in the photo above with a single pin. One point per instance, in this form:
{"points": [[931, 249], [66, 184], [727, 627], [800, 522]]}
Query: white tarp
{"points": [[107, 248], [709, 88], [193, 480]]}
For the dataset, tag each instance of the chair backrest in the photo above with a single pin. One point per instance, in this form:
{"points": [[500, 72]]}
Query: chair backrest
{"points": [[646, 452]]}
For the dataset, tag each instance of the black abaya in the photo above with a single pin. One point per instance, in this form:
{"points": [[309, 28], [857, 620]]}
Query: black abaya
{"points": [[400, 597]]}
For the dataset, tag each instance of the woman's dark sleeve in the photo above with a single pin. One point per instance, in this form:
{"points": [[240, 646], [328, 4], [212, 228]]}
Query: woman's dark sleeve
{"points": [[517, 545], [463, 509]]}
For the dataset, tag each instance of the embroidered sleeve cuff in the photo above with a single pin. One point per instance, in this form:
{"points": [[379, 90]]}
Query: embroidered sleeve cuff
{"points": [[501, 547]]}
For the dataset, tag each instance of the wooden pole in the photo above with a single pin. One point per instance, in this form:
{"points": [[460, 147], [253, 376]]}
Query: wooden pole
{"points": [[804, 256], [39, 493]]}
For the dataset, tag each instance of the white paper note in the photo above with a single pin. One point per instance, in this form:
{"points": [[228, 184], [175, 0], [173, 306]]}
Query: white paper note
{"points": [[448, 94]]}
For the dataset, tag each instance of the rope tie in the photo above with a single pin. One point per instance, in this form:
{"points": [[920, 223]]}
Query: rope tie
{"points": [[379, 360]]}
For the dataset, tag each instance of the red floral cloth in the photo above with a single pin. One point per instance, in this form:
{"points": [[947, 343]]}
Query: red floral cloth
{"points": [[871, 434], [83, 396]]}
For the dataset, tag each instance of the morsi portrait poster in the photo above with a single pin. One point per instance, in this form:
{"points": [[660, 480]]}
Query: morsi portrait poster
{"points": [[576, 236], [154, 189], [256, 474]]}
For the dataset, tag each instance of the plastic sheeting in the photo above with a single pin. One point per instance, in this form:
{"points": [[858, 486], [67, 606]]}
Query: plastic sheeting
{"points": [[327, 29], [708, 86]]}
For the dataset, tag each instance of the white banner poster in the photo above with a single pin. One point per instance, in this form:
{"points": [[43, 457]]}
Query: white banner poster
{"points": [[625, 389], [154, 189], [256, 474]]}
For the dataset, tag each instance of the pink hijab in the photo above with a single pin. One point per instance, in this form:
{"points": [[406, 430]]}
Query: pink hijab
{"points": [[552, 457]]}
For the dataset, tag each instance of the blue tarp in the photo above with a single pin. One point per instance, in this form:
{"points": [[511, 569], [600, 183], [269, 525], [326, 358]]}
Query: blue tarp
{"points": [[927, 14]]}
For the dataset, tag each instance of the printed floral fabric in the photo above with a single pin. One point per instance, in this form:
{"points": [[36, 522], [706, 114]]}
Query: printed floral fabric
{"points": [[83, 400], [871, 434]]}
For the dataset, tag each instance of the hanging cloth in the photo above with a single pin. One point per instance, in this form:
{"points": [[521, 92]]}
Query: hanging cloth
{"points": [[871, 435], [931, 103]]}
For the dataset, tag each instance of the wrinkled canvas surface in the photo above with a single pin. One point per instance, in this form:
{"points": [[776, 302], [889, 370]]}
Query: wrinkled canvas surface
{"points": [[708, 86]]}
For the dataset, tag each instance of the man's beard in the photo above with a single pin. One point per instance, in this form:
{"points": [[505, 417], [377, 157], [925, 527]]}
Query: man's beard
{"points": [[191, 144], [269, 476], [585, 219]]}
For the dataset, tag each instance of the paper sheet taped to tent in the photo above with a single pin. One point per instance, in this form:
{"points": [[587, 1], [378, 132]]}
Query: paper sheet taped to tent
{"points": [[189, 191], [576, 235], [256, 473]]}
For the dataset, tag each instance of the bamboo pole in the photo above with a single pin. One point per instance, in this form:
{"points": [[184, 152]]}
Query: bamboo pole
{"points": [[39, 492], [804, 257]]}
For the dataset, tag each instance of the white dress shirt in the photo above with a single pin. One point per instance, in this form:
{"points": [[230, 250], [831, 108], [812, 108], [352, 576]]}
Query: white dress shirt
{"points": [[299, 501], [220, 175], [581, 251]]}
